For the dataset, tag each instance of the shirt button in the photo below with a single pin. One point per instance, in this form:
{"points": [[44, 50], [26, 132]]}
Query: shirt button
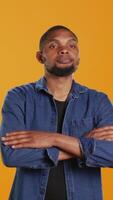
{"points": [[42, 190], [52, 120]]}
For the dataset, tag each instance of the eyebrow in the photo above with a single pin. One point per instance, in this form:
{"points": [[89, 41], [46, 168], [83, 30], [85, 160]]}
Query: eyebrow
{"points": [[56, 40]]}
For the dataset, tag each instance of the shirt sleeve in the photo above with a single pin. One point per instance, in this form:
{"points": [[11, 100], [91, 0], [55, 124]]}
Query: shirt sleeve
{"points": [[13, 119], [98, 153]]}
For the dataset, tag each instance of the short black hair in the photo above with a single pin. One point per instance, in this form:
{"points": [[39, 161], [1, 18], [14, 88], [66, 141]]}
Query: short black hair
{"points": [[50, 30]]}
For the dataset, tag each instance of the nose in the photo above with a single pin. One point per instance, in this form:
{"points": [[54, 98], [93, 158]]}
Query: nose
{"points": [[63, 51]]}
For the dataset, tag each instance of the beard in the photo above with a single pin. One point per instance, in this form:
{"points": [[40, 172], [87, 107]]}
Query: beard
{"points": [[57, 71]]}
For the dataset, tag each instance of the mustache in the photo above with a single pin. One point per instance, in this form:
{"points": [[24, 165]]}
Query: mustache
{"points": [[64, 58]]}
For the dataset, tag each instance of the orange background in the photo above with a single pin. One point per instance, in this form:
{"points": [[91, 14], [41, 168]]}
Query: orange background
{"points": [[22, 22]]}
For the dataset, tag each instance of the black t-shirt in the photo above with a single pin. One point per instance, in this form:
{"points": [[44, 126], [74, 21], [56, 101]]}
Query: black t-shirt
{"points": [[56, 187]]}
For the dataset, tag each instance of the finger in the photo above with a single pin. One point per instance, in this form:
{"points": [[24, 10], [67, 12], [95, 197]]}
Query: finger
{"points": [[106, 139], [111, 140], [99, 134], [107, 136], [17, 133], [103, 128], [15, 137], [104, 134], [24, 145], [21, 141], [100, 131], [101, 137]]}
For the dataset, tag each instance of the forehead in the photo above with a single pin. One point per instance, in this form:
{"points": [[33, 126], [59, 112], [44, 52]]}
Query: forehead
{"points": [[60, 34]]}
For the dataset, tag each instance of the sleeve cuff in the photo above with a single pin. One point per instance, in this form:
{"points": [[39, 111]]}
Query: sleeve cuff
{"points": [[53, 155], [87, 148]]}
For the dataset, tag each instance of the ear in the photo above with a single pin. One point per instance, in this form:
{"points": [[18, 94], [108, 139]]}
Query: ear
{"points": [[39, 57], [78, 59]]}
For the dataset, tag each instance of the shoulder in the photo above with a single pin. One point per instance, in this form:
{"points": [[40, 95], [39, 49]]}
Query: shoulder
{"points": [[91, 91], [20, 92], [95, 96]]}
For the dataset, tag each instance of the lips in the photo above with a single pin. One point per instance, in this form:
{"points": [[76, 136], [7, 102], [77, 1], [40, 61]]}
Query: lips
{"points": [[64, 60]]}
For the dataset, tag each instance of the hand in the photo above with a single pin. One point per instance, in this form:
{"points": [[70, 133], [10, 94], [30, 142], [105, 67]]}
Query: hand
{"points": [[104, 133], [65, 156], [29, 139], [39, 139]]}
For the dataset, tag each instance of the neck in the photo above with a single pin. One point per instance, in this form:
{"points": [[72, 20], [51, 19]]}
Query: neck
{"points": [[59, 87]]}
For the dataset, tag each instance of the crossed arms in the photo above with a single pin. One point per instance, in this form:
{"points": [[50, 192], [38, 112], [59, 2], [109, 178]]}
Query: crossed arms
{"points": [[35, 149], [69, 146]]}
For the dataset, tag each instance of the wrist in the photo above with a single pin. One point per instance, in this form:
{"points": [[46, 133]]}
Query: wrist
{"points": [[55, 139], [68, 144]]}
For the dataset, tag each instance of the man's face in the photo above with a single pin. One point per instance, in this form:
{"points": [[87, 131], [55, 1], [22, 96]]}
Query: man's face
{"points": [[60, 53]]}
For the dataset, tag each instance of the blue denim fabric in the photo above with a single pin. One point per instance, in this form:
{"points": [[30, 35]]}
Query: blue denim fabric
{"points": [[31, 107]]}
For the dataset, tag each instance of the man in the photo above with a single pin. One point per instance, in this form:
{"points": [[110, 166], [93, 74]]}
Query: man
{"points": [[57, 133]]}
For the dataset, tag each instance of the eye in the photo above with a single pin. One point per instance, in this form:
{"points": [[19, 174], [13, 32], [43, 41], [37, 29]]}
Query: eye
{"points": [[73, 46], [52, 46]]}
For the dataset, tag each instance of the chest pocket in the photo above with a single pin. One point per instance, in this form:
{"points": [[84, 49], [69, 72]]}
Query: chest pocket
{"points": [[82, 126]]}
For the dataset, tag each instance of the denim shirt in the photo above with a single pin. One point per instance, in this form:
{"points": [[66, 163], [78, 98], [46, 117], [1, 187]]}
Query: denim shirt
{"points": [[32, 107]]}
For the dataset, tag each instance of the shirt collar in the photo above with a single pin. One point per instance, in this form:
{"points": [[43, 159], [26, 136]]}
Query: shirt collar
{"points": [[76, 88]]}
